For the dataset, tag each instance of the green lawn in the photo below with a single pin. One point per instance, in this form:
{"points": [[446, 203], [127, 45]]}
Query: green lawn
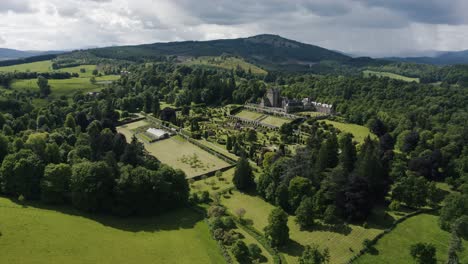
{"points": [[88, 70], [34, 235], [230, 63], [249, 115], [66, 87], [394, 247], [359, 132], [368, 73], [275, 121], [343, 243], [40, 66]]}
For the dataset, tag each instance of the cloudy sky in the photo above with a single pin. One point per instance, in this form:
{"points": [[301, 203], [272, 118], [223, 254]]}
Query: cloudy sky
{"points": [[364, 27]]}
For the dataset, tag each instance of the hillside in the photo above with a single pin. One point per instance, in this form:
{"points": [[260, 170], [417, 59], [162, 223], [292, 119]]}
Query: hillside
{"points": [[268, 51], [10, 54], [442, 58]]}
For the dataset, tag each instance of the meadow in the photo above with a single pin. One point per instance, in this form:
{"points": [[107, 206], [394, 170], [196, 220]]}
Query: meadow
{"points": [[394, 247], [343, 242], [230, 63], [39, 66], [368, 73], [32, 234], [65, 87], [178, 153], [359, 132]]}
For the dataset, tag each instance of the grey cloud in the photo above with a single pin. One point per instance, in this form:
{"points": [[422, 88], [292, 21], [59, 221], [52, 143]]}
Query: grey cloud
{"points": [[17, 6], [2, 40], [424, 11]]}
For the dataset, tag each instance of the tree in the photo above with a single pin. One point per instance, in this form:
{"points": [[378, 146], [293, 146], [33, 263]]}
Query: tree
{"points": [[243, 176], [70, 121], [423, 253], [255, 252], [358, 201], [313, 255], [298, 188], [331, 215], [90, 186], [277, 230], [21, 173], [240, 212], [328, 154], [44, 87], [455, 206], [54, 184], [370, 168], [411, 190], [3, 147], [240, 251], [305, 213], [133, 152], [229, 143], [348, 152], [95, 72]]}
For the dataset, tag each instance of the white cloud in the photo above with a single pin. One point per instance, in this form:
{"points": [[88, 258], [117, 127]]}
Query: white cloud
{"points": [[373, 27]]}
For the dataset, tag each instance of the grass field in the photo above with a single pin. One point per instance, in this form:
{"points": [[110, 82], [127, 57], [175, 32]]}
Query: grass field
{"points": [[249, 115], [66, 87], [178, 153], [359, 132], [394, 247], [343, 243], [40, 66], [368, 73], [229, 63], [46, 66], [43, 236], [275, 121]]}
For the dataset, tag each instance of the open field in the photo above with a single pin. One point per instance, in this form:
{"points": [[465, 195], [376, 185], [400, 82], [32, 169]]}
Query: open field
{"points": [[249, 115], [275, 121], [66, 87], [178, 153], [343, 243], [46, 66], [368, 73], [229, 63], [394, 247], [63, 235], [359, 132], [39, 66]]}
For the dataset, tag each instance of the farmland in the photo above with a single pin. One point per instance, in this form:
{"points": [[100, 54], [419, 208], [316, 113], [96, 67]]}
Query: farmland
{"points": [[66, 87], [368, 73], [178, 153], [40, 66], [35, 235]]}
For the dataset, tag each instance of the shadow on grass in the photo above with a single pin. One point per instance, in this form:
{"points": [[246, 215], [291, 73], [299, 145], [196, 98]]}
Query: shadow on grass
{"points": [[338, 228], [184, 218], [293, 248]]}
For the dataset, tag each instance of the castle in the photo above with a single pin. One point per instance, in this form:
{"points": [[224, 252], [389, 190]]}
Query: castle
{"points": [[273, 99]]}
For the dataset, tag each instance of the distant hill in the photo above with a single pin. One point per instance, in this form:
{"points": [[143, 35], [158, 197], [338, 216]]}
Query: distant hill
{"points": [[12, 54], [442, 58], [268, 51]]}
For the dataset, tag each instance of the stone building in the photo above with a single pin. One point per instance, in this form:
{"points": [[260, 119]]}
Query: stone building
{"points": [[272, 98]]}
